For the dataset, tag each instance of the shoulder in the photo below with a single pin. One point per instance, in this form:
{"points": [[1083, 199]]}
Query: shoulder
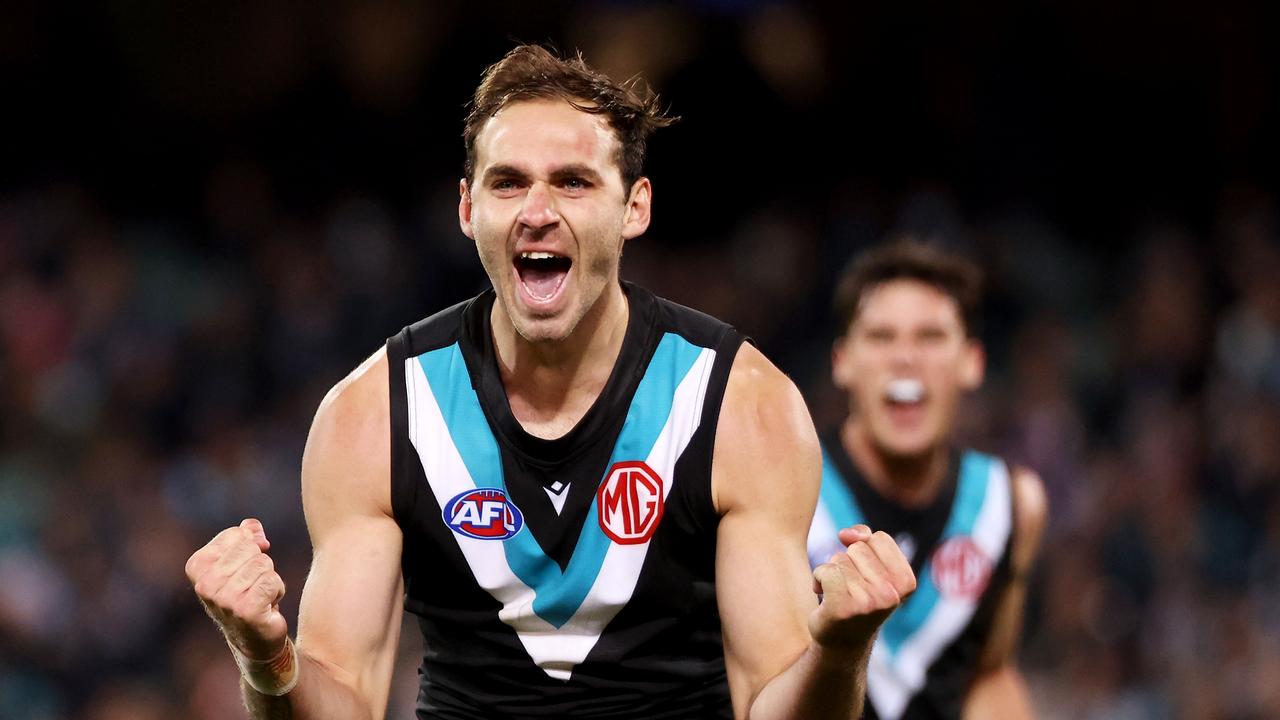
{"points": [[358, 403], [439, 330], [1030, 514], [765, 441], [695, 326], [760, 400], [348, 450], [755, 383]]}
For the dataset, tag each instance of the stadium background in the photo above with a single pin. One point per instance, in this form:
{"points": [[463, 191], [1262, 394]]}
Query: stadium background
{"points": [[208, 214]]}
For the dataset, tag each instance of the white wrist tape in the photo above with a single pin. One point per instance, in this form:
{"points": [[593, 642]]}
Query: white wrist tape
{"points": [[273, 677]]}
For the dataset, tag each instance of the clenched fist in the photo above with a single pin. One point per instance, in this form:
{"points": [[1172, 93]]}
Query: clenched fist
{"points": [[860, 588], [236, 581]]}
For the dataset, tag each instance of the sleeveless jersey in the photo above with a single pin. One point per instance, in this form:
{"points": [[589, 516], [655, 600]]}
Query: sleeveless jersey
{"points": [[923, 660], [566, 577]]}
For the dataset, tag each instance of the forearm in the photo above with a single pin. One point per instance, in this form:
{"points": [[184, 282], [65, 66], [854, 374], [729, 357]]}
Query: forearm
{"points": [[999, 693], [820, 684], [319, 695]]}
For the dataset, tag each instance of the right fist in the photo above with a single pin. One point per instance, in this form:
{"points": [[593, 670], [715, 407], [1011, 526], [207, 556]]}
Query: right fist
{"points": [[240, 589]]}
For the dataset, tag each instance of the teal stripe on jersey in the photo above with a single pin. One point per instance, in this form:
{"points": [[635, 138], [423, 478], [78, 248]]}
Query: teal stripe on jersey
{"points": [[971, 490], [975, 473], [557, 594], [835, 497], [446, 373], [650, 408]]}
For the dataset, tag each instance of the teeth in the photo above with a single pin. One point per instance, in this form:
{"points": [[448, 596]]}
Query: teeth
{"points": [[905, 390], [538, 256]]}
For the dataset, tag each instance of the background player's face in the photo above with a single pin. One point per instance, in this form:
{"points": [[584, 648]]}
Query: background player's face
{"points": [[905, 362], [549, 214]]}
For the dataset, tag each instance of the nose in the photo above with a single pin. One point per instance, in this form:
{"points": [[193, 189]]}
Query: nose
{"points": [[539, 209], [904, 355]]}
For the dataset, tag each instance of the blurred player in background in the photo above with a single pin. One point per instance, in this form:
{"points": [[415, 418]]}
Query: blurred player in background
{"points": [[969, 523], [594, 500]]}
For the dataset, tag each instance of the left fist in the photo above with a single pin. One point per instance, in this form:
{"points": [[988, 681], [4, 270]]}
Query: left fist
{"points": [[860, 588]]}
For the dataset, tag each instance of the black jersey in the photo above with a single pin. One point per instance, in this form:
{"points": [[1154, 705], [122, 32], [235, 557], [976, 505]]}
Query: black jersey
{"points": [[923, 660], [571, 577]]}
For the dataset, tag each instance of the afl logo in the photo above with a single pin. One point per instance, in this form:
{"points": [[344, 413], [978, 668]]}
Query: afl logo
{"points": [[483, 514], [960, 569], [630, 503]]}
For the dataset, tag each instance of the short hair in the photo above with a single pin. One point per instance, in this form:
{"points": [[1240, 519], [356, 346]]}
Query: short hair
{"points": [[908, 259], [531, 72]]}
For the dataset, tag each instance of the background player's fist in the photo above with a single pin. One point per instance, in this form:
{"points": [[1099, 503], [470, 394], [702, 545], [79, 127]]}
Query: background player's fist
{"points": [[240, 589], [860, 588]]}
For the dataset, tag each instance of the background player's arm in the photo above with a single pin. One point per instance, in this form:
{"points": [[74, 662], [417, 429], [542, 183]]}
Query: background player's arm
{"points": [[999, 689], [765, 479], [350, 615]]}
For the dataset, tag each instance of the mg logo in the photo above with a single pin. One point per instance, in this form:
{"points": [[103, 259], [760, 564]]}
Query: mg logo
{"points": [[630, 503], [960, 569]]}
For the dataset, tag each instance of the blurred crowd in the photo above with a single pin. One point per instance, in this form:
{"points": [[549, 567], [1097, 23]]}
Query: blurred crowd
{"points": [[245, 211]]}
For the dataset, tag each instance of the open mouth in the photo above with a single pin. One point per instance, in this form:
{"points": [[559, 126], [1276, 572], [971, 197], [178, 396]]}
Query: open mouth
{"points": [[542, 274]]}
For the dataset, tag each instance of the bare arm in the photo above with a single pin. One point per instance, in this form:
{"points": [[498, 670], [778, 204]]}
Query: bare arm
{"points": [[350, 618], [786, 656], [999, 690]]}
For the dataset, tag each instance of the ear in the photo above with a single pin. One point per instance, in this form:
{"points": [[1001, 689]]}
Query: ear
{"points": [[636, 218], [464, 209], [841, 375], [973, 366]]}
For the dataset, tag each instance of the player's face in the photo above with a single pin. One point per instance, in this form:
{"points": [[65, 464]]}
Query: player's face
{"points": [[905, 361], [549, 214]]}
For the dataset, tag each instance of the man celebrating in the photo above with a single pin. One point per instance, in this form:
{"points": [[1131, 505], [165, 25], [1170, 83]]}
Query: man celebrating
{"points": [[594, 500], [968, 523]]}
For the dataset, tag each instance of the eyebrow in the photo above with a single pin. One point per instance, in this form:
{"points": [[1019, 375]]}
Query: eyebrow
{"points": [[511, 172], [576, 170]]}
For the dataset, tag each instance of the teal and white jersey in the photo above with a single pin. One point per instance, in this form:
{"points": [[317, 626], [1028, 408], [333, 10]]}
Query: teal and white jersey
{"points": [[923, 660], [566, 577]]}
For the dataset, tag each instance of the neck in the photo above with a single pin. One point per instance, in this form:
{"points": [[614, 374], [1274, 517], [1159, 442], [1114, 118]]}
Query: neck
{"points": [[909, 480], [552, 383]]}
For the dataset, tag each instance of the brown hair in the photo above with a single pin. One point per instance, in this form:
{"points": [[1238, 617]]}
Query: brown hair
{"points": [[910, 259], [531, 72]]}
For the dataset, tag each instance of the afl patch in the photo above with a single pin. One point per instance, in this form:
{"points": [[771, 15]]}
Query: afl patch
{"points": [[483, 514]]}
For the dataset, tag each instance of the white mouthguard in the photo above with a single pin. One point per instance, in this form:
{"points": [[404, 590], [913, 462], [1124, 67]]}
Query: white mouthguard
{"points": [[904, 390]]}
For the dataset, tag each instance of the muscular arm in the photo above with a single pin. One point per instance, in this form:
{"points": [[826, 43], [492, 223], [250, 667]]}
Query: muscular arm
{"points": [[999, 690], [350, 618], [785, 656]]}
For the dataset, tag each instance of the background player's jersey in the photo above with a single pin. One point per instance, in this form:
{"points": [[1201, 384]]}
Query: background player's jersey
{"points": [[923, 660], [567, 577]]}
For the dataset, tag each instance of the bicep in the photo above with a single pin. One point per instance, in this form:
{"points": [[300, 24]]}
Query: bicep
{"points": [[765, 595], [767, 466], [349, 620], [350, 612]]}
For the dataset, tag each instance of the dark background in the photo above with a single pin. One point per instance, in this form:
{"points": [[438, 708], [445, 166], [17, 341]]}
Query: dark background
{"points": [[209, 214]]}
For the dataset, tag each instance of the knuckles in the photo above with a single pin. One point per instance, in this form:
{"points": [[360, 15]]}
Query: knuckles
{"points": [[202, 567], [194, 566], [263, 563], [884, 596], [907, 583], [247, 607], [203, 589]]}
